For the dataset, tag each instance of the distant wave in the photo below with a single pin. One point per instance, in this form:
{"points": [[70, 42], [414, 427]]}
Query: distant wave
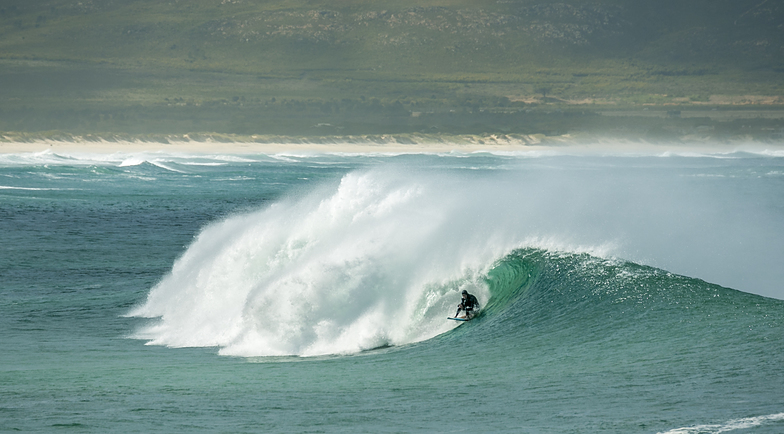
{"points": [[519, 148], [6, 187], [124, 159]]}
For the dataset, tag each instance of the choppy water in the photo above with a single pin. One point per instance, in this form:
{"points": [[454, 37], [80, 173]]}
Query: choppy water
{"points": [[285, 293]]}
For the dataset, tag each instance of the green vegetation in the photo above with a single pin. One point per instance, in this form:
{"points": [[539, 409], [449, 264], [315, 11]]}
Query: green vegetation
{"points": [[350, 67]]}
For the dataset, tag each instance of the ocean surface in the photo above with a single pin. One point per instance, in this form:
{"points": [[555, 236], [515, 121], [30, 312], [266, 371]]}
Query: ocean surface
{"points": [[620, 293]]}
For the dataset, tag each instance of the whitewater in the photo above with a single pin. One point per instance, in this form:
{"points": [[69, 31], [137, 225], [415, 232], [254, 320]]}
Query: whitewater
{"points": [[309, 292]]}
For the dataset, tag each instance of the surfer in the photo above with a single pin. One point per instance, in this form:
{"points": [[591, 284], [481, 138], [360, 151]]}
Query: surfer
{"points": [[468, 305]]}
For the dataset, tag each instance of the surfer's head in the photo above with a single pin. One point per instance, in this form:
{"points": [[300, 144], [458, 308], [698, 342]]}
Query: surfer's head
{"points": [[465, 293]]}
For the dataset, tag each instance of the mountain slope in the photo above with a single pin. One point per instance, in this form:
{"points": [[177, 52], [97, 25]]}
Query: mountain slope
{"points": [[101, 56]]}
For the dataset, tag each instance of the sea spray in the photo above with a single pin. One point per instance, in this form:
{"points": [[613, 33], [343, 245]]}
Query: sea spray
{"points": [[368, 265], [374, 260]]}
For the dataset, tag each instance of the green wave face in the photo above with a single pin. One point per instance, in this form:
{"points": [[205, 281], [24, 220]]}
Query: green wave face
{"points": [[621, 340], [579, 312]]}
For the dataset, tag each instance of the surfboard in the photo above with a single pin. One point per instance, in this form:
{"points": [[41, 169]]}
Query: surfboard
{"points": [[457, 319]]}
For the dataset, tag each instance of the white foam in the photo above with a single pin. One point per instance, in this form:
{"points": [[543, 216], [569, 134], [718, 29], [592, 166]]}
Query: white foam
{"points": [[6, 187], [366, 265], [133, 161], [731, 425]]}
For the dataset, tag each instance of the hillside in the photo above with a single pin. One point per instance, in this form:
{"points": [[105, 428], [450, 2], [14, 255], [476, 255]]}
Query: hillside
{"points": [[359, 67]]}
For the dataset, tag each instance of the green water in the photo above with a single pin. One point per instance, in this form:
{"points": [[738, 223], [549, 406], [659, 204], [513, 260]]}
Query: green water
{"points": [[568, 341]]}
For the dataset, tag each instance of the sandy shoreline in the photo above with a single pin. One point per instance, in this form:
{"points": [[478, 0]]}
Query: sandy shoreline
{"points": [[253, 148], [562, 145]]}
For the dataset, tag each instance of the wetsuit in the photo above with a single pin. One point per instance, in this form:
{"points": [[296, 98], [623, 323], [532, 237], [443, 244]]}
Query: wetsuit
{"points": [[469, 304]]}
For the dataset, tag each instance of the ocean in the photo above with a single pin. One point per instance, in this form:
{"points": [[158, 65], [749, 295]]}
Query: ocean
{"points": [[308, 293]]}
